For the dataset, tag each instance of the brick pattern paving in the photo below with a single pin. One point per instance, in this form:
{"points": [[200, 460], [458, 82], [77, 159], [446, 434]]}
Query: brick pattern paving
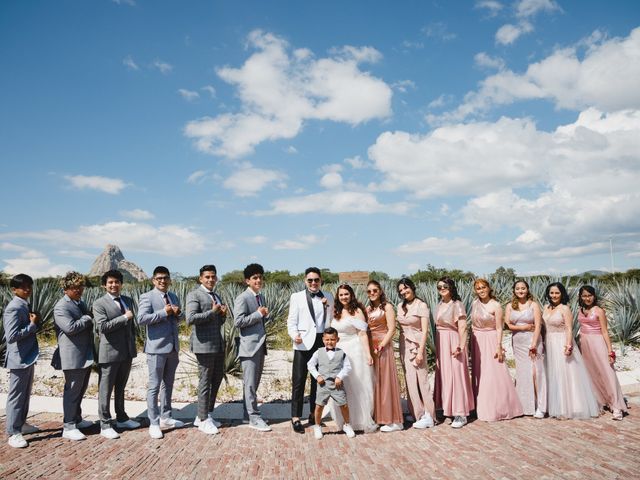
{"points": [[517, 449]]}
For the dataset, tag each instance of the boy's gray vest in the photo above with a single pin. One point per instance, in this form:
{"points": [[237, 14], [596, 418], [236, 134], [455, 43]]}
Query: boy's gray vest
{"points": [[328, 368]]}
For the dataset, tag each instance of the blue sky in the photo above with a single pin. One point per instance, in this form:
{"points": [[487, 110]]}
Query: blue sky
{"points": [[349, 135]]}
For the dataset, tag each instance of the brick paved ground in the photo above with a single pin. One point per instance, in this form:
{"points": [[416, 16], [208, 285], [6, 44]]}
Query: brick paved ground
{"points": [[517, 449]]}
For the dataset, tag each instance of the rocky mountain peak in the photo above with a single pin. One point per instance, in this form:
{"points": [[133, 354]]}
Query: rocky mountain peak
{"points": [[112, 258]]}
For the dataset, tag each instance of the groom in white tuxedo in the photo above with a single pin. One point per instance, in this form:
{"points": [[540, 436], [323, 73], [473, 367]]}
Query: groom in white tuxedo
{"points": [[310, 312]]}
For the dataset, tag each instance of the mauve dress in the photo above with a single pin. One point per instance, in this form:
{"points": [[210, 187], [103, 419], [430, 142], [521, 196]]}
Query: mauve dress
{"points": [[453, 385], [386, 392], [596, 358], [419, 394], [496, 397], [531, 376]]}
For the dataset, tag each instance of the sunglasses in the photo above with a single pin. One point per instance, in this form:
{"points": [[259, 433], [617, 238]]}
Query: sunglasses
{"points": [[313, 280], [373, 291], [162, 279], [443, 287]]}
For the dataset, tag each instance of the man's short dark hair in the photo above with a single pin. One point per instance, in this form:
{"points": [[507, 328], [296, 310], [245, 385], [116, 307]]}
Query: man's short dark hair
{"points": [[21, 280], [330, 331], [111, 274], [161, 269], [312, 270], [253, 269], [208, 268]]}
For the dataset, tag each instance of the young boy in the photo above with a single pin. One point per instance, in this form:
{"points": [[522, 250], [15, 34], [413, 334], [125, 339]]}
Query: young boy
{"points": [[250, 315], [20, 325], [329, 366]]}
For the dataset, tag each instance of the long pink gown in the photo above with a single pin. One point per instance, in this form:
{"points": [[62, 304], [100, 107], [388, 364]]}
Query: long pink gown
{"points": [[531, 376], [496, 397], [570, 393], [596, 358], [386, 390], [453, 385], [419, 394]]}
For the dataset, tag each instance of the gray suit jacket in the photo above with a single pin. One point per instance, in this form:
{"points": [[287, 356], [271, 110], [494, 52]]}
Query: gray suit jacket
{"points": [[20, 334], [117, 334], [75, 334], [250, 322], [162, 329], [206, 334]]}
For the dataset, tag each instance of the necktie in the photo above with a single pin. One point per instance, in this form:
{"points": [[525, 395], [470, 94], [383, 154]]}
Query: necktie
{"points": [[213, 297], [166, 299], [258, 300], [118, 300]]}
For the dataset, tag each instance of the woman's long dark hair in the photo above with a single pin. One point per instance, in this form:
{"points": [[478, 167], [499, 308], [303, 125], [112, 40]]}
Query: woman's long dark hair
{"points": [[407, 282], [453, 290], [592, 291], [352, 306], [564, 296]]}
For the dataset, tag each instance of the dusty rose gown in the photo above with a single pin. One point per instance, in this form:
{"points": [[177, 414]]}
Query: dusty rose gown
{"points": [[453, 385], [570, 393], [386, 391], [496, 397], [419, 393], [596, 358], [531, 376]]}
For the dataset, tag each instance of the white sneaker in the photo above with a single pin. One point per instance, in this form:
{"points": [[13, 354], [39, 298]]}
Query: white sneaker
{"points": [[425, 422], [208, 427], [17, 441], [392, 427], [171, 423], [129, 424], [346, 428], [617, 415], [196, 422], [259, 424], [459, 422], [538, 414], [317, 432], [27, 428], [73, 434], [84, 424], [155, 432], [109, 433]]}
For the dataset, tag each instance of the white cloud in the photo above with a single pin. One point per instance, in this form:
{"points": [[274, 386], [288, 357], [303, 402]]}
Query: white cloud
{"points": [[403, 85], [440, 246], [130, 3], [331, 180], [210, 90], [302, 242], [129, 63], [164, 67], [604, 78], [525, 10], [438, 30], [483, 59], [176, 240], [491, 6], [77, 254], [30, 261], [104, 184], [291, 150], [529, 8], [509, 33], [256, 240], [249, 180], [197, 176], [137, 214], [279, 90], [188, 95], [355, 162], [338, 202]]}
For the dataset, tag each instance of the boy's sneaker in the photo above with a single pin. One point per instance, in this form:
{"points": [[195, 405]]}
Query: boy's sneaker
{"points": [[17, 441], [208, 427], [155, 432], [27, 428], [459, 422], [73, 434], [317, 432], [346, 428], [109, 433], [171, 423], [425, 422], [196, 422], [259, 424]]}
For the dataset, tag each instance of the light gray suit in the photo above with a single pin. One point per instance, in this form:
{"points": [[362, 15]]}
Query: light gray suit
{"points": [[117, 349], [207, 343], [20, 358], [161, 346], [73, 326], [253, 346]]}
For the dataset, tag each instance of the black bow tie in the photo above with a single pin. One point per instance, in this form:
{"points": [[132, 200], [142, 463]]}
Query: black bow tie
{"points": [[330, 349], [318, 294]]}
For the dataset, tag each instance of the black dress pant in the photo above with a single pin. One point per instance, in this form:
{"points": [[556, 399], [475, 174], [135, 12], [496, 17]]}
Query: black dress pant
{"points": [[299, 375]]}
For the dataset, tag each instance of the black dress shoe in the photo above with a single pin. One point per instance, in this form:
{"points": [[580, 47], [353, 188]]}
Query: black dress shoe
{"points": [[297, 426], [312, 419]]}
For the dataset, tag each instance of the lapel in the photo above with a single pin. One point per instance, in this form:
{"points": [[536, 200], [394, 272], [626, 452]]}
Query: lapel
{"points": [[310, 305]]}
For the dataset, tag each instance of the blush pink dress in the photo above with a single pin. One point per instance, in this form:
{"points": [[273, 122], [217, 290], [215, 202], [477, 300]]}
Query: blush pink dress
{"points": [[453, 385], [531, 377], [569, 388], [386, 391], [496, 397], [419, 394], [596, 358]]}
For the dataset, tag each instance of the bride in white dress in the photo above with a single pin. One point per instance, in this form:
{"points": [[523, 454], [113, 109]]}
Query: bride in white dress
{"points": [[350, 322]]}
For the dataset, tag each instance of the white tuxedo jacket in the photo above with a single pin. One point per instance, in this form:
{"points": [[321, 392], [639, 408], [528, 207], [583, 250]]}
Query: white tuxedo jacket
{"points": [[300, 322]]}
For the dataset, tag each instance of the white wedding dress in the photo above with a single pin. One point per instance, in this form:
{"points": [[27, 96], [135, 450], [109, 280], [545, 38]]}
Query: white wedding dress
{"points": [[359, 383]]}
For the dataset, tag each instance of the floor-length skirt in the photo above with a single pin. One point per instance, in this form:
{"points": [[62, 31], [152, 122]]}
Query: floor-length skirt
{"points": [[603, 376], [386, 398], [453, 385], [531, 377]]}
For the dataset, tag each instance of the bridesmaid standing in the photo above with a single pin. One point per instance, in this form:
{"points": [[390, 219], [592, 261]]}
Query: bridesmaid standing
{"points": [[413, 317], [570, 394], [598, 355], [386, 393], [453, 386], [496, 397], [524, 318]]}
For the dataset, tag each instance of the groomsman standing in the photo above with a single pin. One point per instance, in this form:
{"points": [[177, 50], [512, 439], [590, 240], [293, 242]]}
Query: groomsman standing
{"points": [[115, 324], [74, 327], [310, 312], [160, 311], [206, 313]]}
